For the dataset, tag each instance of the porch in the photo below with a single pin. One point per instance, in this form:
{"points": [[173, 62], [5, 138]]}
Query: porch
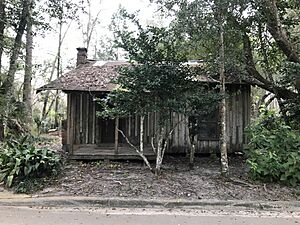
{"points": [[109, 151]]}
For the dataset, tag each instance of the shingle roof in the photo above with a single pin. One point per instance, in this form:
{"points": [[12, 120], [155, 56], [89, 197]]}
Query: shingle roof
{"points": [[93, 76], [98, 76]]}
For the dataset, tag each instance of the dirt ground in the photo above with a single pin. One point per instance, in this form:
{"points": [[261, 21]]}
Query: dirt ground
{"points": [[132, 179]]}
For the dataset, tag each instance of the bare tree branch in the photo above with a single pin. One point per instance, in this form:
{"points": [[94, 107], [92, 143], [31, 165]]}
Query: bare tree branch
{"points": [[136, 149]]}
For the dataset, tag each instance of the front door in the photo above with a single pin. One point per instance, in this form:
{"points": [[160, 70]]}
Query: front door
{"points": [[107, 127]]}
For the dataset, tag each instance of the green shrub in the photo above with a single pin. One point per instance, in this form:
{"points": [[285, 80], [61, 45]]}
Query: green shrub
{"points": [[274, 150], [21, 159]]}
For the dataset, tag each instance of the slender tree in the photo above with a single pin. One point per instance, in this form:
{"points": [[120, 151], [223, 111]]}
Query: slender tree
{"points": [[223, 134], [27, 99], [2, 27], [15, 51]]}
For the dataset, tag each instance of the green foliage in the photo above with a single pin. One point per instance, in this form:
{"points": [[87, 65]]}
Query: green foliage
{"points": [[274, 150], [20, 159], [158, 79], [196, 25], [290, 72]]}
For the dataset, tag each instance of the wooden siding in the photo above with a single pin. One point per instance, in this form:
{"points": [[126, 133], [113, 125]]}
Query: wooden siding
{"points": [[84, 128], [238, 105]]}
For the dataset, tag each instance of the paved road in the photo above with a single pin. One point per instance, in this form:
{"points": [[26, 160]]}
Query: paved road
{"points": [[92, 216]]}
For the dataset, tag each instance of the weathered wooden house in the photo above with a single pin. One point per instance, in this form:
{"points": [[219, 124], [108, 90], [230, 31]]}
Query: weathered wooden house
{"points": [[91, 137]]}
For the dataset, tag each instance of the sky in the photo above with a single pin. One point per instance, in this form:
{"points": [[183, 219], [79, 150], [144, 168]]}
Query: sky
{"points": [[46, 47]]}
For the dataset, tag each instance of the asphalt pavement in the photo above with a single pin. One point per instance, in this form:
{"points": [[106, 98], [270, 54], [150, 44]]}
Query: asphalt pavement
{"points": [[69, 210], [141, 216]]}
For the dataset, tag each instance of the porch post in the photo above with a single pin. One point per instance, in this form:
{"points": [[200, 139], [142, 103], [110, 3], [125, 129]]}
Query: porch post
{"points": [[116, 135]]}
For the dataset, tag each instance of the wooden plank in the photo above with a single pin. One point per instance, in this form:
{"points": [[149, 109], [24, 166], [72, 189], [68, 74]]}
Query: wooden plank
{"points": [[175, 135], [68, 119], [240, 122], [227, 116], [128, 120], [70, 123], [247, 103], [234, 112], [93, 131], [74, 106], [91, 119], [93, 152], [80, 113], [136, 126], [116, 136], [230, 116], [83, 118], [73, 113], [148, 128], [97, 130], [185, 127], [88, 115]]}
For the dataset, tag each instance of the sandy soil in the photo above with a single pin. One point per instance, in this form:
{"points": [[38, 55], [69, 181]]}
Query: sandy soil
{"points": [[132, 179]]}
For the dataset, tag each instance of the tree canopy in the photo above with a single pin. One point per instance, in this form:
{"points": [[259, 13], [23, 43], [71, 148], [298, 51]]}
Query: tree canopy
{"points": [[261, 40]]}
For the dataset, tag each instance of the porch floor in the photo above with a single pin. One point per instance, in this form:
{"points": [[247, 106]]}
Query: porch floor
{"points": [[107, 152]]}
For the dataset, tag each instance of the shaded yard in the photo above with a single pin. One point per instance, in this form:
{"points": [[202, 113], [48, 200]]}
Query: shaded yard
{"points": [[132, 179]]}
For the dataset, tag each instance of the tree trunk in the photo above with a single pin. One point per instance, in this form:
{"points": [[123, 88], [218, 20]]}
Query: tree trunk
{"points": [[159, 152], [192, 153], [257, 78], [138, 151], [7, 86], [90, 27], [2, 27], [278, 32], [47, 95], [28, 68], [56, 118], [191, 134], [142, 134], [8, 83], [223, 139]]}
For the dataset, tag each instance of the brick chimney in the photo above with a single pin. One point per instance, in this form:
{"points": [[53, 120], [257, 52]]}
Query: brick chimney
{"points": [[81, 56]]}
